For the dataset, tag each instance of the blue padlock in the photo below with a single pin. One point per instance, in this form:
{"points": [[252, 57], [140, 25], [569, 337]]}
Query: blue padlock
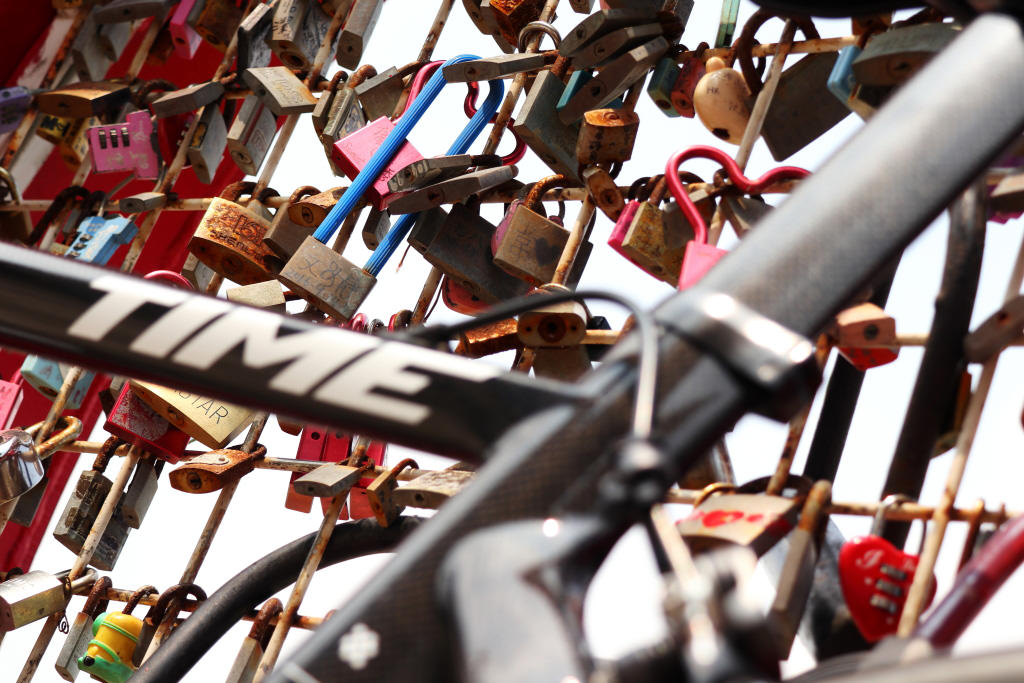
{"points": [[841, 81], [46, 376], [99, 238], [577, 80]]}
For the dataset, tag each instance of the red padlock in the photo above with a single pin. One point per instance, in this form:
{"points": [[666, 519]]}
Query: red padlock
{"points": [[700, 256], [358, 506], [875, 577], [10, 400], [133, 420]]}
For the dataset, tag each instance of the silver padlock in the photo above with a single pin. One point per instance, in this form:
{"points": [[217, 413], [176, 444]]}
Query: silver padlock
{"points": [[139, 494], [20, 467], [80, 632], [29, 597]]}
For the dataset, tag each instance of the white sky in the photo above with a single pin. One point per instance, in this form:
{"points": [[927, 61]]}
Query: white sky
{"points": [[617, 620]]}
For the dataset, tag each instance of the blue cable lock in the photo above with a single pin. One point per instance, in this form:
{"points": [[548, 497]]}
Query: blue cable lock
{"points": [[389, 148]]}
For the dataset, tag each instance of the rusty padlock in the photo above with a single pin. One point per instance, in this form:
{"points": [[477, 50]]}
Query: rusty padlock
{"points": [[229, 239]]}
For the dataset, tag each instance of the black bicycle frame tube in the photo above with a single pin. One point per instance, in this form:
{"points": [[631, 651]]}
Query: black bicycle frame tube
{"points": [[406, 394]]}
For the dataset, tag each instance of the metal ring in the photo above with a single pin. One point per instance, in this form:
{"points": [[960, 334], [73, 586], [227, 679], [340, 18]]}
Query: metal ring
{"points": [[543, 27]]}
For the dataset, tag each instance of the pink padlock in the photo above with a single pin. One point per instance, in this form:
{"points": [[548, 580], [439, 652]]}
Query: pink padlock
{"points": [[126, 146], [622, 227], [10, 400], [700, 256], [186, 40]]}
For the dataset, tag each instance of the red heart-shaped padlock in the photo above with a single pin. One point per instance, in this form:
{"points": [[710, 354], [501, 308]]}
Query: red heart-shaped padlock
{"points": [[875, 577]]}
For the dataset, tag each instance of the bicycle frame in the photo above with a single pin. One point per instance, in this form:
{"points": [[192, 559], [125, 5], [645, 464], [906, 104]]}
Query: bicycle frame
{"points": [[546, 444]]}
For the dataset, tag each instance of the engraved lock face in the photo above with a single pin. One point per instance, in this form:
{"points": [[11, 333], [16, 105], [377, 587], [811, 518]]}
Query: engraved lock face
{"points": [[531, 247], [278, 88], [722, 101], [650, 245], [251, 133], [80, 513], [20, 467], [209, 421], [207, 147], [229, 240], [326, 279]]}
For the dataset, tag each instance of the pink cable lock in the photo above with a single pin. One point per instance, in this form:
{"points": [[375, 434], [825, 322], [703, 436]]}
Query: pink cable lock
{"points": [[701, 256]]}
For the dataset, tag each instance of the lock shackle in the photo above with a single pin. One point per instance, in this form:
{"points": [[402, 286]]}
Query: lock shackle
{"points": [[301, 193], [745, 42], [134, 598], [70, 429], [398, 232], [400, 321], [60, 203], [658, 193], [97, 601], [336, 81], [538, 26], [537, 190], [689, 209], [419, 80], [87, 578], [146, 93], [261, 631], [469, 105], [360, 75], [234, 191], [358, 323], [711, 490], [177, 591], [106, 453], [878, 522], [170, 277], [634, 189], [389, 148]]}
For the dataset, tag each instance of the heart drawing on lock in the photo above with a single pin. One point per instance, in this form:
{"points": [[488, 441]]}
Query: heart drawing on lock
{"points": [[875, 577]]}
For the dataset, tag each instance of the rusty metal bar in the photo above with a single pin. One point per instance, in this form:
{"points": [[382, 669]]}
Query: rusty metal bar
{"points": [[434, 34]]}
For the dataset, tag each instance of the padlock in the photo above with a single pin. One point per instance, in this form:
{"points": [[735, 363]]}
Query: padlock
{"points": [[875, 577], [841, 81], [380, 494], [208, 143], [133, 420], [433, 489], [187, 99], [601, 50], [494, 67], [82, 509], [285, 234], [379, 95], [364, 453], [14, 103], [602, 23], [723, 101], [316, 443], [279, 89], [250, 135], [90, 61], [344, 116], [108, 657], [125, 146], [98, 239], [186, 40], [743, 212], [354, 151], [20, 467], [74, 147], [797, 577], [554, 325], [253, 32], [451, 190], [212, 422], [328, 481], [377, 225], [489, 339], [217, 22], [80, 632], [801, 110], [266, 295], [460, 248], [212, 471], [229, 239], [47, 376], [11, 396], [141, 490], [198, 274], [691, 71], [327, 279], [663, 80], [362, 19], [54, 129], [248, 659], [893, 57], [539, 126], [866, 323], [426, 227], [285, 38], [700, 256], [577, 81], [29, 597], [526, 244], [512, 16], [607, 136], [747, 517], [15, 226], [614, 79], [564, 364], [648, 242], [603, 191], [322, 109], [435, 169], [130, 10]]}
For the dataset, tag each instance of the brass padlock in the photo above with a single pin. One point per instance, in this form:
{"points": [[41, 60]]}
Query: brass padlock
{"points": [[433, 489], [209, 421], [229, 239], [744, 517], [605, 194], [285, 235], [82, 100], [526, 244], [380, 494], [217, 22], [327, 279], [512, 16], [311, 211], [743, 212], [554, 325], [187, 99], [565, 364], [653, 244], [379, 94], [29, 597], [606, 136], [285, 38], [376, 227], [212, 471], [490, 339]]}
